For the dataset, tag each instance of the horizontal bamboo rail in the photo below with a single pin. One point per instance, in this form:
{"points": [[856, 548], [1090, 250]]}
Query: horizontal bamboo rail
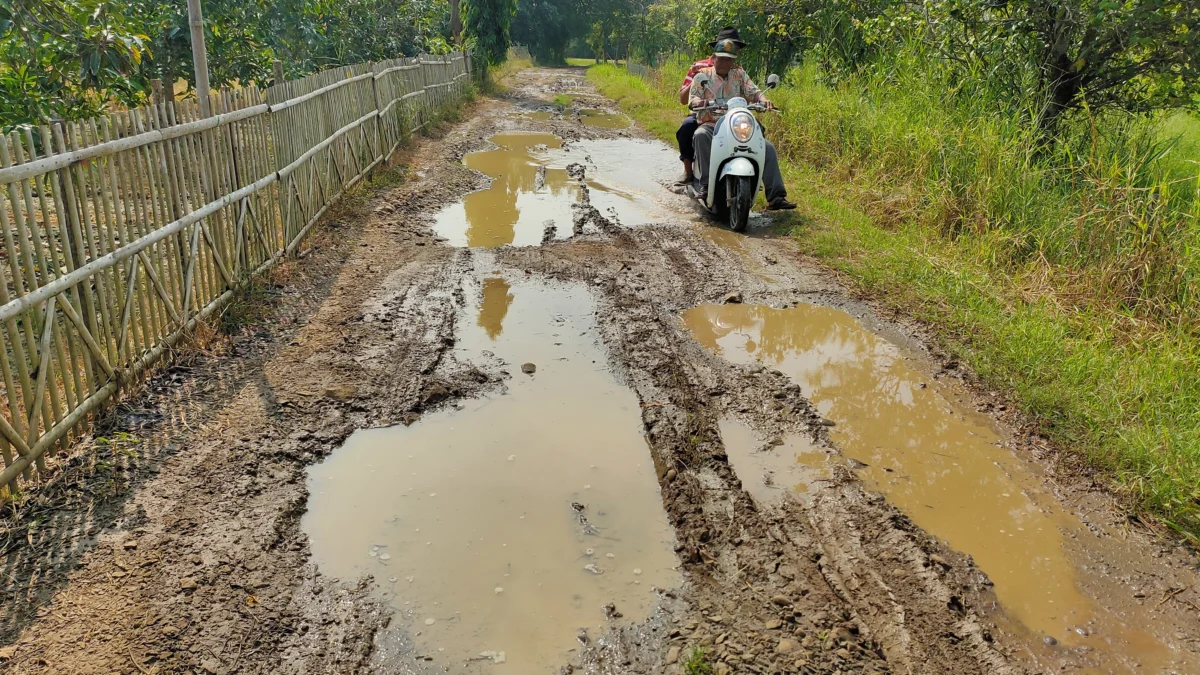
{"points": [[122, 233]]}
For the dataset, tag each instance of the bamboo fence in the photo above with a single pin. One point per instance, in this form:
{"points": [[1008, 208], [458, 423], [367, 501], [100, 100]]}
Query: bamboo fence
{"points": [[121, 233]]}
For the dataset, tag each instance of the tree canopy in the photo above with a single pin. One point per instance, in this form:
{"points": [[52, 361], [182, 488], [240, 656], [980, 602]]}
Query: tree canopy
{"points": [[1061, 55], [67, 58], [487, 22], [62, 59]]}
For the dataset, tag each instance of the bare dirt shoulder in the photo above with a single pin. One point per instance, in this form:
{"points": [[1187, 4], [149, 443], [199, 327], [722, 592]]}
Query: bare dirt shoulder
{"points": [[197, 563]]}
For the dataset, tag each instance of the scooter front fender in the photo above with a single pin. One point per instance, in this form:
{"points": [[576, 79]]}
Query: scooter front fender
{"points": [[738, 166]]}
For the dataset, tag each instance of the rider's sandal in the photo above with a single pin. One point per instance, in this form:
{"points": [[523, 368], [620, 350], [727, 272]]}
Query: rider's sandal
{"points": [[781, 204]]}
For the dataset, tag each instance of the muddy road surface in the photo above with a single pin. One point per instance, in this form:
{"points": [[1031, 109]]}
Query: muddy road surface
{"points": [[526, 411]]}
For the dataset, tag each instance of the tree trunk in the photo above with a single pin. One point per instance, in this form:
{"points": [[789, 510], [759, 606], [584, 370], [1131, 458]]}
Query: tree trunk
{"points": [[1061, 78], [455, 22], [166, 73], [1063, 87]]}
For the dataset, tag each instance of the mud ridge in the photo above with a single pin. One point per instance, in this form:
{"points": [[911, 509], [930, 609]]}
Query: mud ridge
{"points": [[731, 549]]}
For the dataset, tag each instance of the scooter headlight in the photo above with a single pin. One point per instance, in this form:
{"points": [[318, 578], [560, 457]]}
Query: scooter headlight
{"points": [[742, 125]]}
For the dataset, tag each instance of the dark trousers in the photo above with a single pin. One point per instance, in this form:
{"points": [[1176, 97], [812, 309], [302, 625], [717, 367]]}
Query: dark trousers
{"points": [[684, 136]]}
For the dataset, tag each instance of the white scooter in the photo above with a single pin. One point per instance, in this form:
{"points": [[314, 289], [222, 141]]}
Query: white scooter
{"points": [[739, 150]]}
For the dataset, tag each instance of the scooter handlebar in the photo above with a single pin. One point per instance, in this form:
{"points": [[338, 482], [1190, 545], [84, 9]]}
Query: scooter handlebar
{"points": [[720, 109]]}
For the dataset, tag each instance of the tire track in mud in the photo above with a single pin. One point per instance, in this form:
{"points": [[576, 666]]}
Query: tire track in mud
{"points": [[794, 586]]}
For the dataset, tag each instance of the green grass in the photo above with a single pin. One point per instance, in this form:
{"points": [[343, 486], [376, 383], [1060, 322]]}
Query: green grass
{"points": [[494, 83], [1184, 129], [1055, 277], [584, 63], [697, 663]]}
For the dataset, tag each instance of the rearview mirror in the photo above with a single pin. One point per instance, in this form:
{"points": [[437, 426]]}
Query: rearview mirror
{"points": [[772, 81]]}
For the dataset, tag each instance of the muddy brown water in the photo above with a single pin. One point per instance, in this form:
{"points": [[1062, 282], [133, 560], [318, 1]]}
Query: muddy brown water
{"points": [[604, 120], [775, 467], [940, 464], [508, 525], [531, 189]]}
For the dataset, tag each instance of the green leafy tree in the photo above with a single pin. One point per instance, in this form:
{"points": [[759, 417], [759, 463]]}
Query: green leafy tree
{"points": [[487, 22], [775, 31], [675, 18], [65, 59], [235, 36], [547, 27], [68, 58], [1135, 55]]}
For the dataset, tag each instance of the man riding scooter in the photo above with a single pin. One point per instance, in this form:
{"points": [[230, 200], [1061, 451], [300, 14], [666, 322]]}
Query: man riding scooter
{"points": [[722, 81]]}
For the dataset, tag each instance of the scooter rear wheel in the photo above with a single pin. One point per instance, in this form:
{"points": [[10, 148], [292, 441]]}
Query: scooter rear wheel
{"points": [[741, 197]]}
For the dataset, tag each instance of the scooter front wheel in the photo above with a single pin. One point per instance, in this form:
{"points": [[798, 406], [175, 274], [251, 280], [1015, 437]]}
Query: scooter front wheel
{"points": [[741, 197]]}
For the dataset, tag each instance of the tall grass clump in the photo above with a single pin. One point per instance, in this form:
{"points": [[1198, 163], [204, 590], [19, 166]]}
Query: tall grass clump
{"points": [[1104, 216], [1066, 269], [1087, 243]]}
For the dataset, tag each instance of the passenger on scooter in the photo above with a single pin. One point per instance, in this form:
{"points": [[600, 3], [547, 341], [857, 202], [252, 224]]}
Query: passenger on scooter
{"points": [[689, 126], [720, 82]]}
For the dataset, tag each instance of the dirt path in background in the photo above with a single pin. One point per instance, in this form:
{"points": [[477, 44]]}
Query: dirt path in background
{"points": [[184, 551]]}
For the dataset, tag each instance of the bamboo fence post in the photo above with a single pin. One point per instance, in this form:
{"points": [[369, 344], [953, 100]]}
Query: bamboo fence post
{"points": [[101, 207], [29, 237], [18, 282], [62, 220], [46, 259], [77, 252], [197, 156], [129, 165], [223, 181], [118, 197], [15, 341], [164, 208], [138, 335], [170, 190], [187, 171], [85, 231]]}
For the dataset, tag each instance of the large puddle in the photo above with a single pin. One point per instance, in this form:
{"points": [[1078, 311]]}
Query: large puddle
{"points": [[531, 189], [943, 466], [499, 530]]}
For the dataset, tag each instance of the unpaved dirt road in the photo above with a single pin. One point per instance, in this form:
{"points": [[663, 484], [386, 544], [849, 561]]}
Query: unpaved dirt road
{"points": [[413, 413]]}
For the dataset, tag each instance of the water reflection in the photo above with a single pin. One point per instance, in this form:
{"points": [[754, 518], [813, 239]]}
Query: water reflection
{"points": [[506, 526], [603, 120], [530, 190], [769, 469], [493, 305], [933, 461]]}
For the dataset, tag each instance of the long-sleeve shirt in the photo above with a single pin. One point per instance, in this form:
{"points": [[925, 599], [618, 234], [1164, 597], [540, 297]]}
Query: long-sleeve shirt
{"points": [[717, 88], [696, 67]]}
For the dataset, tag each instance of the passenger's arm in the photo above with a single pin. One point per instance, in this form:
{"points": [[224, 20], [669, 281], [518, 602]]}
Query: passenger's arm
{"points": [[697, 91]]}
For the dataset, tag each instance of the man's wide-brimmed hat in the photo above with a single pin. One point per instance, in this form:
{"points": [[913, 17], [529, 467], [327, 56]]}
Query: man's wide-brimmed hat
{"points": [[728, 43]]}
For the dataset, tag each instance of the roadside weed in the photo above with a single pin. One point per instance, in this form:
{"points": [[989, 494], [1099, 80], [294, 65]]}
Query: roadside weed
{"points": [[697, 662]]}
